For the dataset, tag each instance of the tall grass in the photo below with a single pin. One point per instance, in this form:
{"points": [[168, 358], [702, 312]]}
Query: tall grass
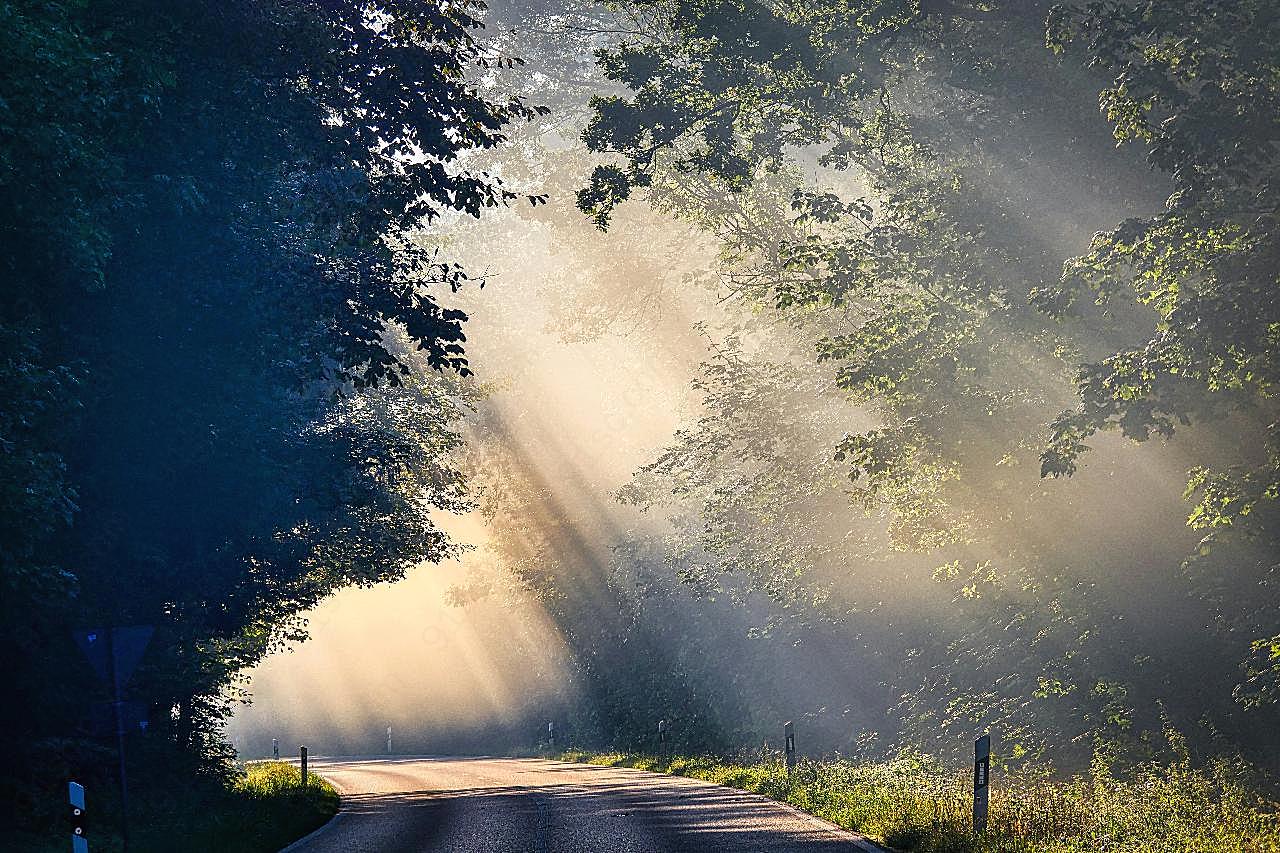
{"points": [[263, 809], [914, 803], [255, 809]]}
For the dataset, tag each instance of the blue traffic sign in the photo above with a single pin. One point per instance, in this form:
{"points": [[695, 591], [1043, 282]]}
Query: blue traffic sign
{"points": [[117, 650]]}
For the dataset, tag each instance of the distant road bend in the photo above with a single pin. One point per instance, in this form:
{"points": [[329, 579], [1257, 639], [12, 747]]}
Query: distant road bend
{"points": [[490, 805]]}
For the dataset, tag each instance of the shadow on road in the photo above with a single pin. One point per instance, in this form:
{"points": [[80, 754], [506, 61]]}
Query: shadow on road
{"points": [[604, 814]]}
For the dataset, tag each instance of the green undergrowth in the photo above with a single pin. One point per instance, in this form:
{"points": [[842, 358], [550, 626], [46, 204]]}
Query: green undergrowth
{"points": [[913, 803], [259, 808]]}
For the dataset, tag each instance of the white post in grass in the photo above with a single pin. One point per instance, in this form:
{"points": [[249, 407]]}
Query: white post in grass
{"points": [[75, 793], [275, 748], [789, 735]]}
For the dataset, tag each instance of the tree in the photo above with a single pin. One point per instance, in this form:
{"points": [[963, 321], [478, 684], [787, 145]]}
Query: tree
{"points": [[1197, 86], [211, 315], [927, 273]]}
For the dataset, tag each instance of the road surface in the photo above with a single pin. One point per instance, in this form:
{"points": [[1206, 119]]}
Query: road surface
{"points": [[487, 805]]}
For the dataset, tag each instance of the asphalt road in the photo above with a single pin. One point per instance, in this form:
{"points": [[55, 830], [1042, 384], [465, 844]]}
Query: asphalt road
{"points": [[477, 805]]}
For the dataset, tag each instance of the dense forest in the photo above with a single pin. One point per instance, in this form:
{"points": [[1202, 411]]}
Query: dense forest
{"points": [[985, 435], [982, 302]]}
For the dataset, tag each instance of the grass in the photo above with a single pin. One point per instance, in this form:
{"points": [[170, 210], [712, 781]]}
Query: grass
{"points": [[913, 803], [259, 808]]}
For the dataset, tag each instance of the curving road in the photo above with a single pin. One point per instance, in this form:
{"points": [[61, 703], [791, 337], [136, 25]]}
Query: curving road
{"points": [[487, 805]]}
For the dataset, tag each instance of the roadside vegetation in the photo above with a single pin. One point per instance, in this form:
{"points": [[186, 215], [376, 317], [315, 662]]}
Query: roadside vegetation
{"points": [[256, 808], [915, 803]]}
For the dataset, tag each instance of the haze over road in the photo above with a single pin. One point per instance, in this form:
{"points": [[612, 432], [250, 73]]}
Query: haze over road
{"points": [[397, 805]]}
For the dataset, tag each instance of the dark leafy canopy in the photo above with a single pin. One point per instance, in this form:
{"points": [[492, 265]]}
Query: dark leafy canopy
{"points": [[723, 89], [206, 212], [1198, 85], [728, 87]]}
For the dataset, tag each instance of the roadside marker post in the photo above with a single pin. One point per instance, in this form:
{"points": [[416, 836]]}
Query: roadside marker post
{"points": [[662, 736], [303, 751], [388, 738], [789, 734], [551, 734], [981, 782], [75, 794], [275, 748], [114, 653]]}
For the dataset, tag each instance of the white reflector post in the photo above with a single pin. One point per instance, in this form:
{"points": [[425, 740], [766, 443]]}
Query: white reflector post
{"points": [[75, 795]]}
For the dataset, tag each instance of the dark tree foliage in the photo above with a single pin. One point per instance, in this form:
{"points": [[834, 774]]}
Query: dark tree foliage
{"points": [[1196, 84], [211, 321], [726, 88]]}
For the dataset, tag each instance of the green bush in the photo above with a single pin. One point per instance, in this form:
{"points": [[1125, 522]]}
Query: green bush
{"points": [[255, 809], [914, 803]]}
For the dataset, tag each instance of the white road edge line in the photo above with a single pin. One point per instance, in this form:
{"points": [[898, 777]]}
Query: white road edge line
{"points": [[860, 841]]}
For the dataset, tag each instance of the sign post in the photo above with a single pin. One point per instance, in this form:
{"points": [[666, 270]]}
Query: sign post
{"points": [[114, 653], [303, 751], [789, 735], [75, 793], [662, 737], [551, 734], [981, 782], [388, 738], [275, 748]]}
